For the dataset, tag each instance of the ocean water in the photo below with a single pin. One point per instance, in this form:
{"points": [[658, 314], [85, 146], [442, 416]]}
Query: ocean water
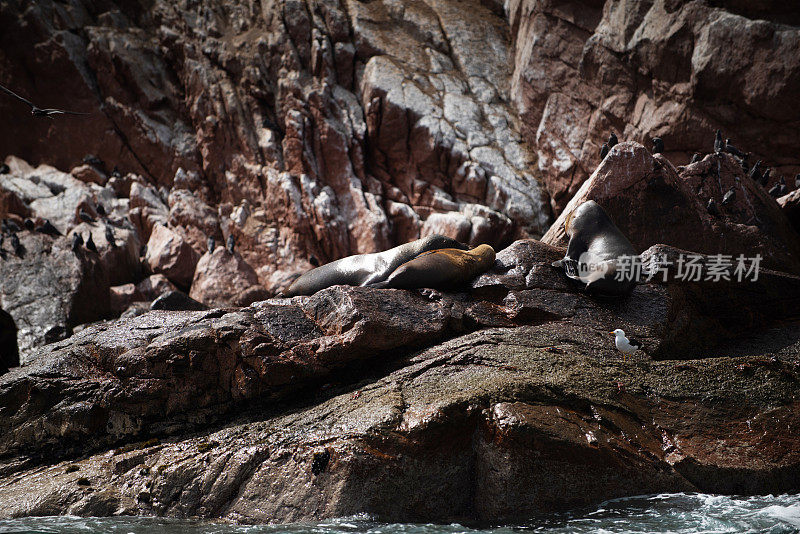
{"points": [[674, 513]]}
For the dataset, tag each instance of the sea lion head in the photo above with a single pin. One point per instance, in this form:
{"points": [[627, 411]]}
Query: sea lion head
{"points": [[437, 241], [588, 216], [485, 255]]}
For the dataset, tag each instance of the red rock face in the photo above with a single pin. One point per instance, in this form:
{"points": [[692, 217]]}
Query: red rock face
{"points": [[675, 70]]}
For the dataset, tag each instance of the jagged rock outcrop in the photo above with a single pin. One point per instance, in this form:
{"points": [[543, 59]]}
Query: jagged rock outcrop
{"points": [[653, 202], [675, 70], [492, 403]]}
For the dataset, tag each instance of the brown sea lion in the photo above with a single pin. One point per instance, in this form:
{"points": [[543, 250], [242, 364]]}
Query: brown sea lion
{"points": [[441, 268], [367, 269], [596, 248]]}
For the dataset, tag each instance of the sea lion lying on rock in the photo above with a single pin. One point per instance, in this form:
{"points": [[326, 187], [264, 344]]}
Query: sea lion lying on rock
{"points": [[367, 269], [595, 249], [441, 268]]}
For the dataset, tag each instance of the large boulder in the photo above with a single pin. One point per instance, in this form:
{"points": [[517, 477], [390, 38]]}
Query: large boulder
{"points": [[653, 202], [169, 254], [51, 289], [225, 279]]}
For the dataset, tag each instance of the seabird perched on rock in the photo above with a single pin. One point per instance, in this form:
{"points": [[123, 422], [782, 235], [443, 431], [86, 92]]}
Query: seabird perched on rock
{"points": [[765, 178], [696, 157], [77, 241], [230, 244], [711, 207], [729, 196], [29, 224], [730, 149], [612, 140], [112, 242], [755, 173], [84, 216], [719, 145], [658, 145], [211, 243], [775, 190], [115, 172], [625, 345], [313, 260], [4, 169], [604, 151], [10, 226], [48, 228], [36, 111], [90, 243], [94, 161], [16, 246]]}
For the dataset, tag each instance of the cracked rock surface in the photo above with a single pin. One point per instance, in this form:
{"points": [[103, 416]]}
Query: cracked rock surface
{"points": [[493, 402]]}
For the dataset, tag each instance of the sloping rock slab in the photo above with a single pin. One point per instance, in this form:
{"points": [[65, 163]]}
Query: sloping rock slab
{"points": [[495, 426]]}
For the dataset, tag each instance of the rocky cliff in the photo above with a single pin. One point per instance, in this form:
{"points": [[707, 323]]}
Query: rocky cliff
{"points": [[233, 145]]}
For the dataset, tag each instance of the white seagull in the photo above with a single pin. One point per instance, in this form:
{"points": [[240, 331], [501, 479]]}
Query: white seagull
{"points": [[625, 345]]}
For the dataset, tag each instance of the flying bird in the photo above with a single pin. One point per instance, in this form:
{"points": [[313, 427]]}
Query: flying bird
{"points": [[36, 111]]}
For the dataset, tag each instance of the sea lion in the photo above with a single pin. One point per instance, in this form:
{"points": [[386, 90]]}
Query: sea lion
{"points": [[443, 268], [595, 246], [365, 269]]}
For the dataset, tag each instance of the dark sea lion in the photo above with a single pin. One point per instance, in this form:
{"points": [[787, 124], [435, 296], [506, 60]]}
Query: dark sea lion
{"points": [[595, 248], [364, 269], [443, 268]]}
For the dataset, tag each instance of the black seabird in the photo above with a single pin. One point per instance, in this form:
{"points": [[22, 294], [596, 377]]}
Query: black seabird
{"points": [[711, 207], [604, 151], [658, 145], [755, 173], [77, 241], [230, 244], [90, 243], [85, 217], [696, 157], [110, 237], [49, 229], [719, 145], [211, 243], [16, 246], [612, 140], [36, 111]]}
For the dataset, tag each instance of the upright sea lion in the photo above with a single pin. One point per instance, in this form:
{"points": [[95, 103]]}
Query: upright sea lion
{"points": [[365, 269], [594, 251], [447, 267]]}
